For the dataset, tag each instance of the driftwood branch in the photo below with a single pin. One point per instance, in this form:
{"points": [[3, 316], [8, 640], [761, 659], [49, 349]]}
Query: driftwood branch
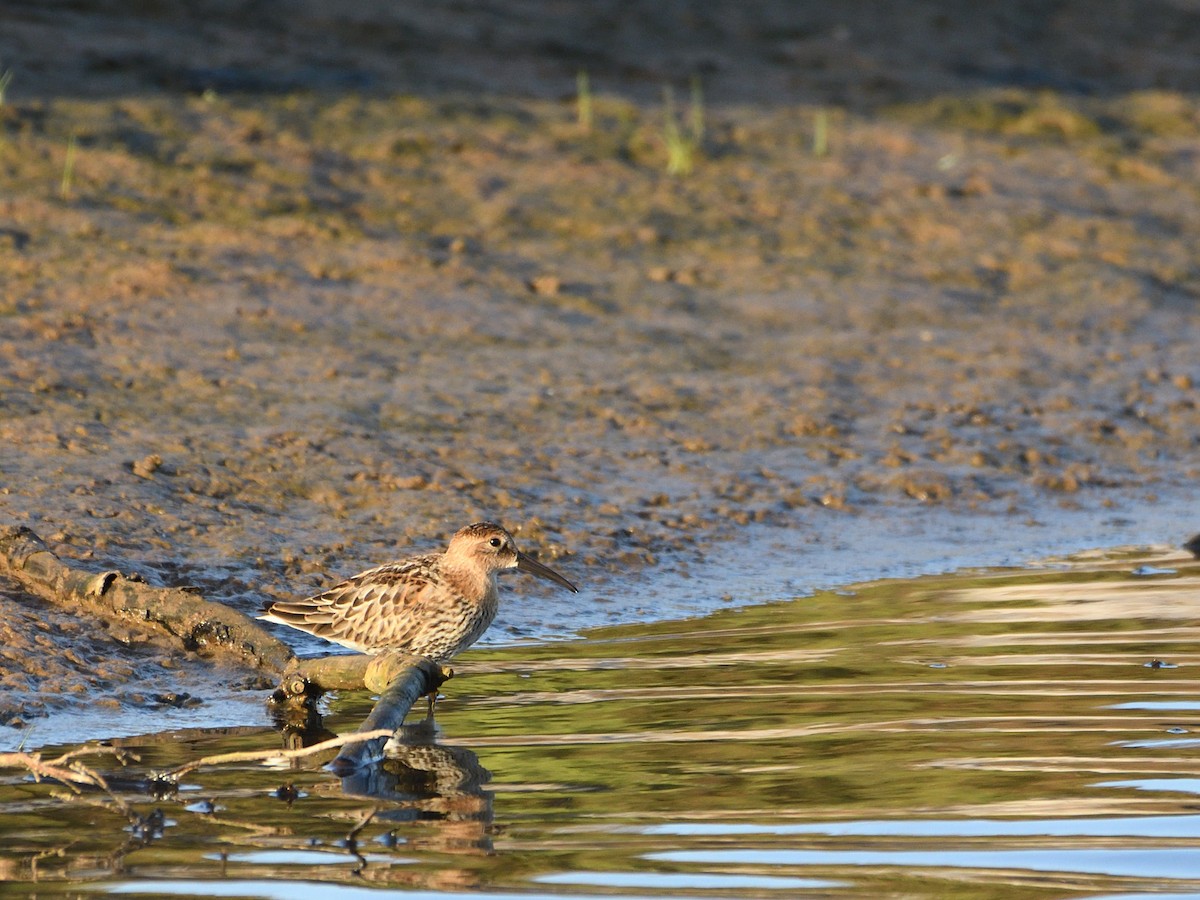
{"points": [[311, 677], [198, 624], [353, 672]]}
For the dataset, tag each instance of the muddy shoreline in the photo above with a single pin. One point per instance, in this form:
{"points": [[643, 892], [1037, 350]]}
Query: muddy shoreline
{"points": [[257, 335]]}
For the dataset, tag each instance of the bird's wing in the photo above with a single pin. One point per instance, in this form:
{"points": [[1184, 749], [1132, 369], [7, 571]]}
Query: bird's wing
{"points": [[356, 611]]}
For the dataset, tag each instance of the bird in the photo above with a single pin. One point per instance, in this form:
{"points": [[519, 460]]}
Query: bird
{"points": [[435, 605]]}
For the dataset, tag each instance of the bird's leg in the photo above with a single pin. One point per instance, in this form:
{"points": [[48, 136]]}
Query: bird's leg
{"points": [[445, 673]]}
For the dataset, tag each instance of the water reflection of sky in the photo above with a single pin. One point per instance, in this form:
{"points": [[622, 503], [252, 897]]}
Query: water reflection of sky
{"points": [[1123, 826], [222, 709], [1156, 862], [1163, 743], [674, 881], [1178, 785]]}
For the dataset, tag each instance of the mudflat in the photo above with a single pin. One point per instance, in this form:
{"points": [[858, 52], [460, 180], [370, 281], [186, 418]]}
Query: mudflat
{"points": [[287, 298]]}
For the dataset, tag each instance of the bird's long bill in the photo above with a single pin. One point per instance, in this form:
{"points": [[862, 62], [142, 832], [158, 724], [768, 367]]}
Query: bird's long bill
{"points": [[533, 567]]}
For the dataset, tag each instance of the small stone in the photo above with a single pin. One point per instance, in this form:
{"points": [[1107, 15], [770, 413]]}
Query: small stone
{"points": [[546, 285], [147, 466], [412, 483]]}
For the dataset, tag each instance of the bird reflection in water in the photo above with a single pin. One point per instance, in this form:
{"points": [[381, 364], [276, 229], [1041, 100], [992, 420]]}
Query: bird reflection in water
{"points": [[425, 781], [419, 780]]}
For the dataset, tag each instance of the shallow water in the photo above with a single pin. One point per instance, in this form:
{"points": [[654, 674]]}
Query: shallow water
{"points": [[1004, 733]]}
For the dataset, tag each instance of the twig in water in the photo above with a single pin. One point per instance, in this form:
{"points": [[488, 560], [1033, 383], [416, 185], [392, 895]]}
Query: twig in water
{"points": [[352, 835], [65, 768], [68, 770], [261, 755]]}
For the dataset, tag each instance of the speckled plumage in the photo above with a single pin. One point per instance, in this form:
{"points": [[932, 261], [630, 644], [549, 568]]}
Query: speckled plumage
{"points": [[435, 605]]}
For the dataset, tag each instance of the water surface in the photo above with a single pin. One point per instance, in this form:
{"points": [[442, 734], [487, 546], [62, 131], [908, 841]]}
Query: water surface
{"points": [[1003, 733]]}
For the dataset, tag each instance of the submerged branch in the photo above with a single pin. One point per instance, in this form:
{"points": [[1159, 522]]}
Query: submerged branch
{"points": [[400, 679]]}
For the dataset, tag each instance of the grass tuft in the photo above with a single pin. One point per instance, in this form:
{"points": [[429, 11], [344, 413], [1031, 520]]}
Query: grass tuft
{"points": [[820, 141], [68, 175], [683, 147], [583, 102]]}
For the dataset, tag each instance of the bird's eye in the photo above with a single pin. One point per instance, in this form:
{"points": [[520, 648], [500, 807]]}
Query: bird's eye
{"points": [[496, 542]]}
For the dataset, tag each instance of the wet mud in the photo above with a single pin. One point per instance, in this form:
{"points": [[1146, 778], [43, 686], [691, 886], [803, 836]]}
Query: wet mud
{"points": [[280, 310]]}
